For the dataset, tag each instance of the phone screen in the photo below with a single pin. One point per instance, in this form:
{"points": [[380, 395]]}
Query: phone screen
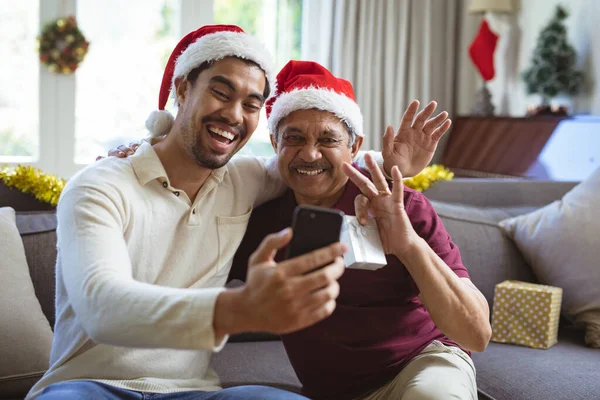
{"points": [[314, 228]]}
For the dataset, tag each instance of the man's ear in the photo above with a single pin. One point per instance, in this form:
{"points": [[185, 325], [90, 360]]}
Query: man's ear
{"points": [[358, 141], [273, 142], [181, 87]]}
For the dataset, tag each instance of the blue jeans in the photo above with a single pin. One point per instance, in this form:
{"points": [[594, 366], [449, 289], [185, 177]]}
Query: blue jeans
{"points": [[99, 391]]}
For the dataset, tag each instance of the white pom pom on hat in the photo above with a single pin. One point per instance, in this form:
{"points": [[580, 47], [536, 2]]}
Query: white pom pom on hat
{"points": [[208, 43], [159, 123]]}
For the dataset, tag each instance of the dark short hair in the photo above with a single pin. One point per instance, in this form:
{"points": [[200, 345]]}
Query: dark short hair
{"points": [[193, 74]]}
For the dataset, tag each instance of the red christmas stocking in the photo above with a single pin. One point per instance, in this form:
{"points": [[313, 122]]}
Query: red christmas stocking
{"points": [[482, 51]]}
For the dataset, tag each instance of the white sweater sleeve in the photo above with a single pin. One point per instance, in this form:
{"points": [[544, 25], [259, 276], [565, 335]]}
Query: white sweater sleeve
{"points": [[260, 177], [111, 306], [377, 156]]}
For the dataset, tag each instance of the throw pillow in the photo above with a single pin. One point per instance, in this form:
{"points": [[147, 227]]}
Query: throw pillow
{"points": [[561, 243], [489, 255], [26, 336]]}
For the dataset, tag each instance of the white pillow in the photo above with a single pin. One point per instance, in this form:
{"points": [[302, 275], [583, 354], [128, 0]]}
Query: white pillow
{"points": [[561, 242], [25, 334]]}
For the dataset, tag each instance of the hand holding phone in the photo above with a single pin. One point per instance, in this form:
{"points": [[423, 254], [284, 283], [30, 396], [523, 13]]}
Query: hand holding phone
{"points": [[314, 228]]}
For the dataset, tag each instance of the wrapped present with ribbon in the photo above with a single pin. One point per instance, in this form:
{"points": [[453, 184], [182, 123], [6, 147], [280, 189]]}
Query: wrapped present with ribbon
{"points": [[526, 314], [365, 250]]}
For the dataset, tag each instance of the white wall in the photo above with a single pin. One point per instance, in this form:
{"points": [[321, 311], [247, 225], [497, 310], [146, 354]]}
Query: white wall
{"points": [[518, 35]]}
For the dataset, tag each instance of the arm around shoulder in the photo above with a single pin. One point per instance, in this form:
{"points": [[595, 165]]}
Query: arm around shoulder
{"points": [[259, 176]]}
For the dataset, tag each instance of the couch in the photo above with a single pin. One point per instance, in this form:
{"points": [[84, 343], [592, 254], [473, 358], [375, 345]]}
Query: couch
{"points": [[470, 210]]}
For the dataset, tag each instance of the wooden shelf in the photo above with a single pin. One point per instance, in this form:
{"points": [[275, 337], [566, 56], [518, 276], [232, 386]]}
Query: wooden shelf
{"points": [[497, 145]]}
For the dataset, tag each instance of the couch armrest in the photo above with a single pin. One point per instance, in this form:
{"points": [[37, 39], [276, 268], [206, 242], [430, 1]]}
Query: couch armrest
{"points": [[498, 192], [10, 197]]}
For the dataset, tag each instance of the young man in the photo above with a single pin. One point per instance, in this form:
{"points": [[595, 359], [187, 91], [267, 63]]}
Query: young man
{"points": [[402, 331], [146, 243]]}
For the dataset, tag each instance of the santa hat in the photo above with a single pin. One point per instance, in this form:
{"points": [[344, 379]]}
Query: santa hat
{"points": [[209, 43], [305, 85]]}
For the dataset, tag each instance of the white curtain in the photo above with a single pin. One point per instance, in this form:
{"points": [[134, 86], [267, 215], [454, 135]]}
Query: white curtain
{"points": [[393, 51]]}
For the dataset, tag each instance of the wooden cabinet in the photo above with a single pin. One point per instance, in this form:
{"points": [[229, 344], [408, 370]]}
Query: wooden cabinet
{"points": [[497, 145]]}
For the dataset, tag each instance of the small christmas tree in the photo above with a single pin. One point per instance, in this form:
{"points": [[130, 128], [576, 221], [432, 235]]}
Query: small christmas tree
{"points": [[553, 63]]}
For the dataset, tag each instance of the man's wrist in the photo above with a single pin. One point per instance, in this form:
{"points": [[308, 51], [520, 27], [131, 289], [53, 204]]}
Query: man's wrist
{"points": [[411, 252], [386, 167], [228, 318]]}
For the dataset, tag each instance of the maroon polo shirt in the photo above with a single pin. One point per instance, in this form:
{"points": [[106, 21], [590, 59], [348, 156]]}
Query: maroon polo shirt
{"points": [[379, 323]]}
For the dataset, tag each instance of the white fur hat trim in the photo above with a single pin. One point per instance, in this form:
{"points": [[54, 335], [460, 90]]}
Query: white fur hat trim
{"points": [[317, 98], [217, 46]]}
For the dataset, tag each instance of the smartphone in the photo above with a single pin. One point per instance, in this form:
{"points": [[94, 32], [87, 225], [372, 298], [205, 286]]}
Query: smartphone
{"points": [[314, 227]]}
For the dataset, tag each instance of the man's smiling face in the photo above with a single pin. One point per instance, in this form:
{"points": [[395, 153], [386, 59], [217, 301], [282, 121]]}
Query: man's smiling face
{"points": [[220, 110], [312, 146]]}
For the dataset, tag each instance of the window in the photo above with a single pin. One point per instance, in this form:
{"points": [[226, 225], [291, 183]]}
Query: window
{"points": [[278, 23], [61, 123], [117, 85], [19, 82]]}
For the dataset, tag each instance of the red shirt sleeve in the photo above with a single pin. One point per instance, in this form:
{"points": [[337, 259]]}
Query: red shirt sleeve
{"points": [[429, 226]]}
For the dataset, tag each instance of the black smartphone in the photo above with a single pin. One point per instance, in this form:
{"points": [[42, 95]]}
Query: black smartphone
{"points": [[314, 227]]}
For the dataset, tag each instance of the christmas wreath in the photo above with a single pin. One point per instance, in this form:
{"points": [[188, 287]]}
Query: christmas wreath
{"points": [[62, 45]]}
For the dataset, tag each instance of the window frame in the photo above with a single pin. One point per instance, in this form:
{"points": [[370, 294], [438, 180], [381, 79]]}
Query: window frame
{"points": [[56, 127], [57, 93]]}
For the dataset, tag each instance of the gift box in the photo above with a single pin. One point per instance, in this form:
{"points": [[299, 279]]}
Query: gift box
{"points": [[526, 314], [365, 250]]}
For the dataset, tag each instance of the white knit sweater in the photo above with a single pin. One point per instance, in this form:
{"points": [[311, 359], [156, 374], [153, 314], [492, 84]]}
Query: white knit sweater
{"points": [[139, 269]]}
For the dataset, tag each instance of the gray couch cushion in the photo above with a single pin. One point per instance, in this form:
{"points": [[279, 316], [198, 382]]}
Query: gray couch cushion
{"points": [[36, 222], [567, 370], [257, 363], [25, 334], [498, 192], [40, 250], [38, 232], [489, 255]]}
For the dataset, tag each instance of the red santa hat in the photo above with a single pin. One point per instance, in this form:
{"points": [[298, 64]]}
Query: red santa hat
{"points": [[208, 43], [305, 85]]}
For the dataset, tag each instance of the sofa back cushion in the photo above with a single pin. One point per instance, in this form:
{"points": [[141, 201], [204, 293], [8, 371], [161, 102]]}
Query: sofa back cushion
{"points": [[38, 232], [498, 192], [19, 201], [26, 336], [487, 253]]}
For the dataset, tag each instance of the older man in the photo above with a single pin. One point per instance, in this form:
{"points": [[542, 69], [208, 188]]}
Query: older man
{"points": [[403, 331]]}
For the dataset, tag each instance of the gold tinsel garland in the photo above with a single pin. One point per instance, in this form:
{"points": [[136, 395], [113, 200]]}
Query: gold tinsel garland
{"points": [[431, 174], [33, 181]]}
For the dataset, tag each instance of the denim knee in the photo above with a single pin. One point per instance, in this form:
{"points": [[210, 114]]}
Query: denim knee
{"points": [[255, 392]]}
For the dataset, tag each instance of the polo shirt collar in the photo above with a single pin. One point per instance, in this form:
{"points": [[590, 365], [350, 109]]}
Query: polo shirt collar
{"points": [[147, 166]]}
